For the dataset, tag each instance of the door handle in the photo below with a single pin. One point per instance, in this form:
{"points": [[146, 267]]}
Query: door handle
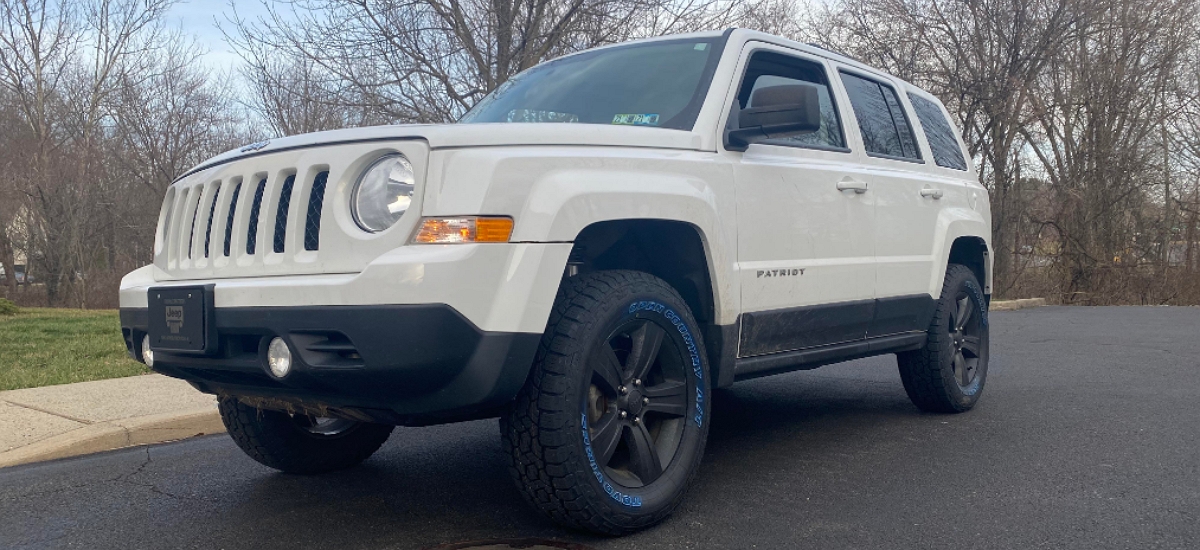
{"points": [[932, 193], [848, 184]]}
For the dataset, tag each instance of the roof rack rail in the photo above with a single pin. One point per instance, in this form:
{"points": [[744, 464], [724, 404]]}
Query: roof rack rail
{"points": [[831, 50]]}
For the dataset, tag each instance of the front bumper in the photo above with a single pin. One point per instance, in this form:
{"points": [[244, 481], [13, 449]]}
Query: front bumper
{"points": [[400, 364], [423, 334]]}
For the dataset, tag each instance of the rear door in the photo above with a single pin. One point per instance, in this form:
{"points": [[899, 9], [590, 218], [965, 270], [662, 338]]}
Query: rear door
{"points": [[806, 222], [907, 202]]}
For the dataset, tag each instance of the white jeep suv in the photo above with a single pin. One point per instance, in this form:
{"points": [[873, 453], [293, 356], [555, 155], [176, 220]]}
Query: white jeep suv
{"points": [[591, 251]]}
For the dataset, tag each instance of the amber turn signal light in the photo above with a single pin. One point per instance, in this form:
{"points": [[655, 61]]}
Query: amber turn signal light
{"points": [[473, 229]]}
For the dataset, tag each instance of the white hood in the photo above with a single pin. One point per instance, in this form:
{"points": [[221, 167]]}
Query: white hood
{"points": [[441, 136]]}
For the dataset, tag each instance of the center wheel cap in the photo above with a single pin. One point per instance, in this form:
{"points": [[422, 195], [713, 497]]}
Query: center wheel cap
{"points": [[632, 402]]}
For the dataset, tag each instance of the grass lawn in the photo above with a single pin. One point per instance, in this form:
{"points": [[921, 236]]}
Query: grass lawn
{"points": [[43, 347]]}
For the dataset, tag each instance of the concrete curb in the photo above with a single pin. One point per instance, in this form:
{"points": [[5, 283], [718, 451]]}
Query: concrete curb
{"points": [[118, 434], [1013, 305]]}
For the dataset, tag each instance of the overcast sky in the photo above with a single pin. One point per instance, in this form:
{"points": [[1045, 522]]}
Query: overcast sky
{"points": [[199, 18]]}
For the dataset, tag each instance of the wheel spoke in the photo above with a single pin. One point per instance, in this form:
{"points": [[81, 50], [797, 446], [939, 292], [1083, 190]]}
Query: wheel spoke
{"points": [[963, 313], [607, 368], [961, 368], [643, 455], [668, 398], [971, 346], [606, 434], [666, 390], [646, 342]]}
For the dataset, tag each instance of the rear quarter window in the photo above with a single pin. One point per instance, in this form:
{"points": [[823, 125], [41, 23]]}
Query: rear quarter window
{"points": [[881, 120], [947, 152]]}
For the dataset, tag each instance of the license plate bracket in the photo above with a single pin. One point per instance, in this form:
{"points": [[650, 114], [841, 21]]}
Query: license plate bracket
{"points": [[181, 319]]}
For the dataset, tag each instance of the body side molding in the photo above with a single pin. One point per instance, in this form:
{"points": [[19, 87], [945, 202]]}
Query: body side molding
{"points": [[811, 358]]}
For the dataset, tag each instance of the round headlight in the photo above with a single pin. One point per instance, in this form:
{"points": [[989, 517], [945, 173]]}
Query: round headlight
{"points": [[383, 193]]}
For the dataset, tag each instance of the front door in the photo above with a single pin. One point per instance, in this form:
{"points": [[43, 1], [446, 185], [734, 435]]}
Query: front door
{"points": [[806, 224]]}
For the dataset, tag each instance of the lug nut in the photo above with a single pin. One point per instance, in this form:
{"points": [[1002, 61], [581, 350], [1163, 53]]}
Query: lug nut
{"points": [[645, 400], [624, 414], [623, 390], [637, 419], [637, 382]]}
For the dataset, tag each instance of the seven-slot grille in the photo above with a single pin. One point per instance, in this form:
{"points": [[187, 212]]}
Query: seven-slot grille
{"points": [[207, 210]]}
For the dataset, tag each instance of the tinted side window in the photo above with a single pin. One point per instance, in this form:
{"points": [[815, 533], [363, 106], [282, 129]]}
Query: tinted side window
{"points": [[772, 69], [885, 129], [939, 132]]}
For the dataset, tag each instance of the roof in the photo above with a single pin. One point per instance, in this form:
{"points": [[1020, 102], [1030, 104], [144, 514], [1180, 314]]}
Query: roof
{"points": [[818, 51], [747, 35]]}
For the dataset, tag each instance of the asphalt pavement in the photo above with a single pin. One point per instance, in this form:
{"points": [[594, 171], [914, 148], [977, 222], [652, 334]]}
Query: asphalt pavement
{"points": [[1087, 437]]}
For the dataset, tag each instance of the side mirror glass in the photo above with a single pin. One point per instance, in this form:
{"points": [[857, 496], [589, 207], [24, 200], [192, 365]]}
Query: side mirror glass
{"points": [[776, 112]]}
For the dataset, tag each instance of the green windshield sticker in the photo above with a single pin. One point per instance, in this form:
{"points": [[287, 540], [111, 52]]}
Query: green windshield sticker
{"points": [[636, 120], [701, 47]]}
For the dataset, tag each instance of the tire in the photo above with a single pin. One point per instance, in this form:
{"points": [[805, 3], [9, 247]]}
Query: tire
{"points": [[299, 444], [571, 453], [948, 374]]}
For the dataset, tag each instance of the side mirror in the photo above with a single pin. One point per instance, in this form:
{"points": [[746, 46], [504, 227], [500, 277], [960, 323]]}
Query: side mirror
{"points": [[775, 112]]}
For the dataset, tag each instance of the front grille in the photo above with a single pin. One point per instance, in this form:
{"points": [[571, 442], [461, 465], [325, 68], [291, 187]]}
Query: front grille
{"points": [[255, 211], [229, 222], [168, 216], [312, 226], [281, 215], [196, 214], [212, 209], [265, 216], [208, 237]]}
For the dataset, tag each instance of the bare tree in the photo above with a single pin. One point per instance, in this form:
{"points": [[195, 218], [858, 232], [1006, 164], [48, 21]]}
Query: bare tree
{"points": [[1098, 128], [779, 17], [982, 58], [1081, 114], [431, 60], [294, 96], [169, 119], [37, 53], [66, 68]]}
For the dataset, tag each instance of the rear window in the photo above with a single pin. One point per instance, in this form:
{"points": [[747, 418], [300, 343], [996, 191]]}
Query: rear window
{"points": [[881, 119], [941, 135]]}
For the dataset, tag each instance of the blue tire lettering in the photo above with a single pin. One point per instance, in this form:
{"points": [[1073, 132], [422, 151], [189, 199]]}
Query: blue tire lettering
{"points": [[635, 501]]}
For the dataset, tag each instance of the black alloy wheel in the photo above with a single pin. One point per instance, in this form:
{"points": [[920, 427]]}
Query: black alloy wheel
{"points": [[610, 427], [636, 402], [948, 373], [965, 336]]}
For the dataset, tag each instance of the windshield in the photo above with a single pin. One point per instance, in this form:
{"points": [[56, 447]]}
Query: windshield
{"points": [[658, 84]]}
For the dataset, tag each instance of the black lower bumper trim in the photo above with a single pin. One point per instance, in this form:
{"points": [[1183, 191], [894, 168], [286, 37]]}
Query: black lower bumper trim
{"points": [[405, 364]]}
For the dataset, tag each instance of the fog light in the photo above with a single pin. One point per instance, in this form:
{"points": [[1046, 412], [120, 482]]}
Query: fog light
{"points": [[147, 353], [279, 358]]}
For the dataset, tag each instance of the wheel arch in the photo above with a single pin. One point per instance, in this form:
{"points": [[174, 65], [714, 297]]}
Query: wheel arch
{"points": [[677, 252], [973, 252], [963, 236], [671, 250]]}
